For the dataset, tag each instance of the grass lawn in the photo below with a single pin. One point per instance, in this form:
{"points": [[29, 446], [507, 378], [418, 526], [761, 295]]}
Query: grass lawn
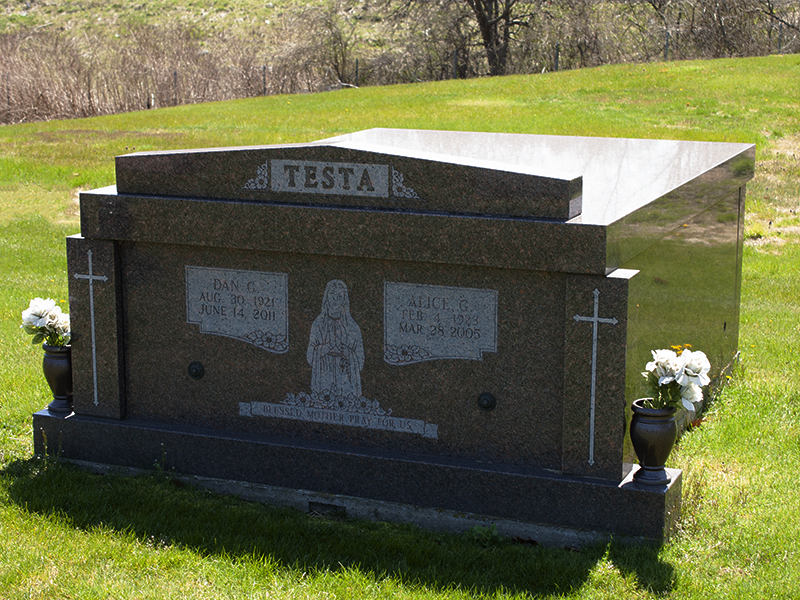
{"points": [[67, 534]]}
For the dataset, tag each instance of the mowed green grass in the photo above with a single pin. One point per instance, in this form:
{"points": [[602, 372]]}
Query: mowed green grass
{"points": [[753, 100], [67, 534]]}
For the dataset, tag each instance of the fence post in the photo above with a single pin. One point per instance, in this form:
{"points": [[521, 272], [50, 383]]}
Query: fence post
{"points": [[175, 87], [780, 39], [455, 63], [666, 46], [558, 50], [356, 82], [264, 78], [8, 93]]}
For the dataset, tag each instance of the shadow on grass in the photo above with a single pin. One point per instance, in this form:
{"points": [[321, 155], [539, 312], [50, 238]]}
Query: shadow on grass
{"points": [[644, 564], [162, 508]]}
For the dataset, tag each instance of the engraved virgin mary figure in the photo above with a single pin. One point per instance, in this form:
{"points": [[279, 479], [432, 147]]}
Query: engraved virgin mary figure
{"points": [[335, 348]]}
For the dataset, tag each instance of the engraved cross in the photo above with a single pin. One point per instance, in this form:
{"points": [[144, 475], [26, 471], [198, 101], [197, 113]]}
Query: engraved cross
{"points": [[595, 320], [91, 277]]}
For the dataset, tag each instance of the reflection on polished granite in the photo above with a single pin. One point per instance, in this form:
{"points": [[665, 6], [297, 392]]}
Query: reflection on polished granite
{"points": [[619, 175]]}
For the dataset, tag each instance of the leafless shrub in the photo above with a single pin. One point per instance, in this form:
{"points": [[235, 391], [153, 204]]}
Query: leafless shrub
{"points": [[433, 40], [50, 74], [717, 28]]}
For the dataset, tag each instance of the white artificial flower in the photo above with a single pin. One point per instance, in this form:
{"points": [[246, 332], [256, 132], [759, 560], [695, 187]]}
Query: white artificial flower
{"points": [[52, 318], [44, 320], [62, 325], [691, 409], [36, 314], [695, 369], [691, 395], [667, 365], [661, 356]]}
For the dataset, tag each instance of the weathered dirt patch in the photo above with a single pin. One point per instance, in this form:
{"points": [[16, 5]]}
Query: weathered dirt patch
{"points": [[789, 146]]}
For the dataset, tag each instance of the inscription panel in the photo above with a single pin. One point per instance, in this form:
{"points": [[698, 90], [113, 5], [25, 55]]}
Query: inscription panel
{"points": [[430, 322], [314, 177], [251, 306], [367, 414], [335, 178]]}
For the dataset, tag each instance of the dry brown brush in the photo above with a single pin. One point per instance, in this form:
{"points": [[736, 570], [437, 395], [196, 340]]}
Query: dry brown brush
{"points": [[47, 73]]}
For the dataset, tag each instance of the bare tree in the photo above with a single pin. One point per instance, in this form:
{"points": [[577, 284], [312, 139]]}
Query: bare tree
{"points": [[50, 73], [498, 20], [334, 36]]}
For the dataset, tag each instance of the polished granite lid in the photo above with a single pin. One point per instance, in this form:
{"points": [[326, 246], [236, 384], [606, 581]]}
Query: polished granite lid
{"points": [[619, 175], [594, 181], [346, 173]]}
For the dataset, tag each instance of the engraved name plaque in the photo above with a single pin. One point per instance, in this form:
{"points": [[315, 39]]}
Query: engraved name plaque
{"points": [[431, 322], [251, 306], [337, 178], [314, 177]]}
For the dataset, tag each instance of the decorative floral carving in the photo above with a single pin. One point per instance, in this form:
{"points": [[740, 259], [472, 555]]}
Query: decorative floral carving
{"points": [[328, 401], [261, 180], [400, 355], [399, 190], [269, 340]]}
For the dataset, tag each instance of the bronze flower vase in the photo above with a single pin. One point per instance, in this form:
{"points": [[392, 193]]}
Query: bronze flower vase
{"points": [[57, 367], [653, 434]]}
